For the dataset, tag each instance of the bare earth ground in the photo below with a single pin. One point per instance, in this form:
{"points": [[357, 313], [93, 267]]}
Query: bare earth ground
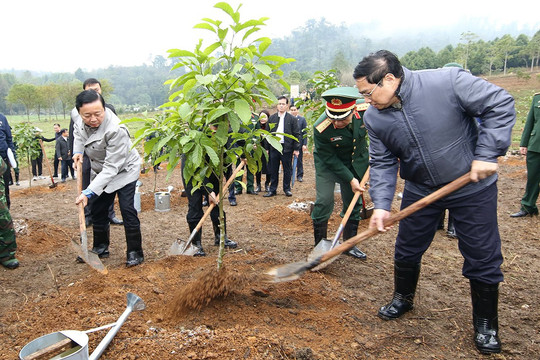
{"points": [[329, 314]]}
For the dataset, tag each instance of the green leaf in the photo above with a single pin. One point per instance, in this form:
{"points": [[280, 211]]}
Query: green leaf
{"points": [[212, 155], [243, 109], [205, 80], [225, 7], [216, 113], [180, 53], [205, 26], [184, 110], [274, 142], [210, 49], [265, 69]]}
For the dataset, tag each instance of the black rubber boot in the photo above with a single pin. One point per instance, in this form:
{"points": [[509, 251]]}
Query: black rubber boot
{"points": [[101, 242], [405, 280], [451, 232], [440, 226], [320, 231], [134, 250], [229, 244], [350, 230], [485, 299], [196, 239]]}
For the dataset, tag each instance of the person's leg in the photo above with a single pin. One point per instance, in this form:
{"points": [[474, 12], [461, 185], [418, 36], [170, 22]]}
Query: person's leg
{"points": [[351, 226], [40, 165], [273, 169], [324, 205], [8, 245], [532, 188], [64, 170], [286, 160], [300, 167], [55, 166], [132, 225], [194, 215], [415, 234]]}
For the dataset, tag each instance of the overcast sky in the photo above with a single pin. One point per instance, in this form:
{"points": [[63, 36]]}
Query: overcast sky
{"points": [[64, 35]]}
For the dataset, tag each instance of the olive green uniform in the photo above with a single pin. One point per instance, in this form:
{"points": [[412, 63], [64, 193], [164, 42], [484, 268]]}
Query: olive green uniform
{"points": [[530, 138], [340, 155]]}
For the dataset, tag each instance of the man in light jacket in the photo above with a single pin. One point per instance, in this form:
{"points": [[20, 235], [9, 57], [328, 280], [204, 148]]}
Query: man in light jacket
{"points": [[115, 170]]}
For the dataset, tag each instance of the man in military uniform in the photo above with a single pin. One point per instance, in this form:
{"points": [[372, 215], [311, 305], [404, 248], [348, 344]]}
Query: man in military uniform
{"points": [[8, 246], [530, 146], [341, 156]]}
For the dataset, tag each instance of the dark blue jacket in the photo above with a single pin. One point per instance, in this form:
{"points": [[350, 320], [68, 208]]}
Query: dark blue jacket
{"points": [[435, 135]]}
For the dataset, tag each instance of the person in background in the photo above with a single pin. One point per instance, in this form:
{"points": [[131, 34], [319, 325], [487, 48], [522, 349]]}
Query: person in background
{"points": [[37, 163], [283, 122], [263, 117], [6, 142], [438, 110], [116, 165], [8, 244], [57, 135], [195, 207], [530, 147], [64, 155], [302, 124], [91, 84], [341, 156]]}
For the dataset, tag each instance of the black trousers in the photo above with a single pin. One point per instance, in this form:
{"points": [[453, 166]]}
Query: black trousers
{"points": [[37, 165], [126, 200], [475, 221], [195, 208], [286, 161]]}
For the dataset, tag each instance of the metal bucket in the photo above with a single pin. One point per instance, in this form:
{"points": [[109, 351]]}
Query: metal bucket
{"points": [[78, 352], [137, 202], [162, 201]]}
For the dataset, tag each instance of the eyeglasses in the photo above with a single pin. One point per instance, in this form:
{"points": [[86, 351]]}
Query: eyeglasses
{"points": [[368, 95]]}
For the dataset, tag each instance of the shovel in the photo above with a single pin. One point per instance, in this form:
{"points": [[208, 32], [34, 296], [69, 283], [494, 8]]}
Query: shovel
{"points": [[181, 247], [293, 271], [53, 184], [89, 257], [326, 245], [294, 164]]}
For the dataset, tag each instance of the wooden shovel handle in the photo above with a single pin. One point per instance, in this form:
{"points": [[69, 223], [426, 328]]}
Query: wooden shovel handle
{"points": [[365, 178], [420, 204], [82, 217], [211, 205]]}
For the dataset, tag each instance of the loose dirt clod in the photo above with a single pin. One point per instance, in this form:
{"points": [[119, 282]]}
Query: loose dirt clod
{"points": [[210, 285]]}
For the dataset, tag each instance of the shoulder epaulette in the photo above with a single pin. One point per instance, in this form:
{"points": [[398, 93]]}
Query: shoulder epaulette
{"points": [[362, 107], [538, 93], [323, 125]]}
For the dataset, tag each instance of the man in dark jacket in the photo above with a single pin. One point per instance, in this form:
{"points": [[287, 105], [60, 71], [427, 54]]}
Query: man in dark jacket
{"points": [[425, 124], [281, 123], [63, 152]]}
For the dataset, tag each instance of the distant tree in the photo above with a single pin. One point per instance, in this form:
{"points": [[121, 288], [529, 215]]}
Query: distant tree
{"points": [[6, 82], [445, 56], [533, 49], [24, 94], [80, 75], [504, 46], [424, 58], [51, 97], [67, 94], [468, 37]]}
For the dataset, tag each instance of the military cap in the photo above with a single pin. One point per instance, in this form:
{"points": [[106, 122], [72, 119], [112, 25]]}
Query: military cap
{"points": [[340, 101]]}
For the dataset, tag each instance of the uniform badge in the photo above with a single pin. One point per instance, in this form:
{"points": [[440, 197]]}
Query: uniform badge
{"points": [[323, 125], [362, 107], [336, 138]]}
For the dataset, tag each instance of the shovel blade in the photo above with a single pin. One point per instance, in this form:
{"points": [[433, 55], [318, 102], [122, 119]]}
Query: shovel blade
{"points": [[323, 246], [89, 257], [181, 247]]}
